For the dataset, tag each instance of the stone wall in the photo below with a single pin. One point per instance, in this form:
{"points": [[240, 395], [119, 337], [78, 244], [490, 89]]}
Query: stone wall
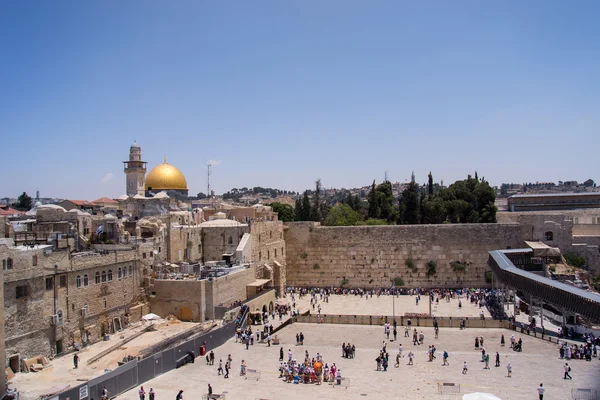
{"points": [[371, 256], [217, 240], [269, 252], [185, 243], [171, 296], [232, 287], [2, 344]]}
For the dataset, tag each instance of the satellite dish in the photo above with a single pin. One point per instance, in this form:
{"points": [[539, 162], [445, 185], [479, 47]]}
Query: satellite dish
{"points": [[155, 252]]}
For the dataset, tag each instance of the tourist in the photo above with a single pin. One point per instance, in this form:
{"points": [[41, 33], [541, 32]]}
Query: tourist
{"points": [[567, 371], [227, 366], [151, 394], [75, 360], [179, 395], [212, 358], [465, 369], [509, 370], [220, 369], [410, 358], [142, 393], [487, 362], [541, 391], [281, 354], [243, 368], [445, 358], [210, 391], [502, 341], [497, 359]]}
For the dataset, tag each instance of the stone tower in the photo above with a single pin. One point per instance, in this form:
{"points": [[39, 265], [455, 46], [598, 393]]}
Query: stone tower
{"points": [[135, 170]]}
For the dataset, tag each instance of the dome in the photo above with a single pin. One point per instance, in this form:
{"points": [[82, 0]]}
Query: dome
{"points": [[165, 177], [135, 145]]}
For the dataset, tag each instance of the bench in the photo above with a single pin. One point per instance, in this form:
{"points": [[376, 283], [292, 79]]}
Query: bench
{"points": [[252, 374], [181, 361]]}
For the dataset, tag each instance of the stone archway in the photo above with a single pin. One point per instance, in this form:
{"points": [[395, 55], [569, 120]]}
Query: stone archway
{"points": [[264, 308], [186, 314]]}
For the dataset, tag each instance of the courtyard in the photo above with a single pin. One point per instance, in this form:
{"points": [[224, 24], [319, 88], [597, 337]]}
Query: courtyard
{"points": [[538, 363]]}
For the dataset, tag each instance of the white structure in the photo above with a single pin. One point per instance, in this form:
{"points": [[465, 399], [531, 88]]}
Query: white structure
{"points": [[135, 170]]}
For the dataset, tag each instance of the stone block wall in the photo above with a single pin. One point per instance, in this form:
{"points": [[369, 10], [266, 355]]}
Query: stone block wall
{"points": [[185, 243], [232, 287], [268, 243], [217, 240], [171, 296], [371, 256]]}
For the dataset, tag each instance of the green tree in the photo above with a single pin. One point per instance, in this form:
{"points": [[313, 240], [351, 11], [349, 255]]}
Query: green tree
{"points": [[201, 196], [385, 200], [433, 210], [285, 211], [305, 209], [430, 184], [589, 183], [298, 209], [409, 205], [373, 204], [24, 202], [342, 215], [316, 214]]}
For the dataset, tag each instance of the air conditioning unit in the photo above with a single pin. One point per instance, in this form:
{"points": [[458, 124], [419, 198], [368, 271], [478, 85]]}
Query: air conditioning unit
{"points": [[54, 319]]}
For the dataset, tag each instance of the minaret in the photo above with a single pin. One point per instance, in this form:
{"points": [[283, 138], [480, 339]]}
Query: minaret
{"points": [[412, 177], [135, 170]]}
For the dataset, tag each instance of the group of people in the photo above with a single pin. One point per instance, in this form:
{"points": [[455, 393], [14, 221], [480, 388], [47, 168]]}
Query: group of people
{"points": [[312, 370]]}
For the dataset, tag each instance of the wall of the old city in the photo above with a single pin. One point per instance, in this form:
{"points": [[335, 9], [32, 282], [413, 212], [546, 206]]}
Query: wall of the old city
{"points": [[232, 287], [371, 256], [185, 243], [268, 242], [171, 296]]}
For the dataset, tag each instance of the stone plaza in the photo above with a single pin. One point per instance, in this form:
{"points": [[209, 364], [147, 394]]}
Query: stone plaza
{"points": [[538, 363]]}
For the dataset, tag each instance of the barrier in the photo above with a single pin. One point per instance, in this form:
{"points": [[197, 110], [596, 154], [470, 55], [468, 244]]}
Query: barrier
{"points": [[252, 374], [213, 396], [448, 387], [584, 394]]}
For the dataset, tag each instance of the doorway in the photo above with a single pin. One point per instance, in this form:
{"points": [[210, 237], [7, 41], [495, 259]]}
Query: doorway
{"points": [[14, 361]]}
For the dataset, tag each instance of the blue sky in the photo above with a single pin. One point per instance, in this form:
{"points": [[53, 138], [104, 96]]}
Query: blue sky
{"points": [[284, 92]]}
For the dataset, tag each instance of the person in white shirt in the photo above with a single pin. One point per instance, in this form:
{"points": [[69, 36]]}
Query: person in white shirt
{"points": [[541, 391]]}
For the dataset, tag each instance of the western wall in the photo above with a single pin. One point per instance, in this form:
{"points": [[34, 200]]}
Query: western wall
{"points": [[372, 256]]}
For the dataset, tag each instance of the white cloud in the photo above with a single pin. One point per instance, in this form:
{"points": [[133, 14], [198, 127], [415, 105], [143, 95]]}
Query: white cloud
{"points": [[214, 162], [107, 177]]}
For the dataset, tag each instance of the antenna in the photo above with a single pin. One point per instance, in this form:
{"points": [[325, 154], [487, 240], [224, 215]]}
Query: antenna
{"points": [[208, 165], [385, 179]]}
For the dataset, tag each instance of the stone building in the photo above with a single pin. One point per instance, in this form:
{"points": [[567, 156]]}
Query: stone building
{"points": [[221, 236], [269, 252], [553, 201], [54, 298]]}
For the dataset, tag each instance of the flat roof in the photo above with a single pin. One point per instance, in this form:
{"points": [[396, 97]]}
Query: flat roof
{"points": [[258, 282], [568, 194]]}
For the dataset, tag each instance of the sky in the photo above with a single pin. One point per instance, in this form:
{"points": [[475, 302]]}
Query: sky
{"points": [[280, 93]]}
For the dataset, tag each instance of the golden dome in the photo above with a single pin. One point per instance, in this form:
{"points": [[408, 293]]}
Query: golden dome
{"points": [[165, 177]]}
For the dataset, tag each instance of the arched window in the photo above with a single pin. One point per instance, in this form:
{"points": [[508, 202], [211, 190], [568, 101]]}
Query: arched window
{"points": [[103, 276], [130, 271], [59, 318], [78, 281], [120, 273], [85, 280], [549, 235], [110, 275], [97, 277]]}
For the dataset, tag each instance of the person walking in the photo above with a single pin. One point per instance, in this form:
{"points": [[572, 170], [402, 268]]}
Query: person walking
{"points": [[220, 369], [212, 358], [497, 359], [281, 354], [179, 395], [541, 391], [151, 394], [502, 342], [509, 370], [142, 393], [465, 369], [567, 371], [487, 362], [75, 360], [226, 370], [210, 391], [445, 358]]}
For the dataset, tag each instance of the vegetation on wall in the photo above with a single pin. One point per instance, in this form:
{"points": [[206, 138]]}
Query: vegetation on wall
{"points": [[575, 260], [488, 276], [458, 266], [410, 264], [398, 281], [431, 268], [316, 266], [344, 282]]}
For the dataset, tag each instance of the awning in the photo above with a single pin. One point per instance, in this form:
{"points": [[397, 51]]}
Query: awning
{"points": [[259, 282]]}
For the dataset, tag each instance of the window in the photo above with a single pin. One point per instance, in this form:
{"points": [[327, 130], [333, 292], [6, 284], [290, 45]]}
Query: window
{"points": [[268, 255], [124, 272], [97, 277], [549, 235], [85, 280], [34, 260], [4, 265], [282, 252], [62, 281], [151, 254], [9, 264], [22, 291], [104, 302], [49, 283], [59, 318], [275, 253], [144, 256], [110, 275], [130, 271], [259, 256], [230, 240], [120, 273], [159, 249], [84, 310], [103, 276], [199, 248]]}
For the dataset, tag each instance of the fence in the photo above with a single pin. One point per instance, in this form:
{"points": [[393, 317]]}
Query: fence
{"points": [[584, 394], [443, 322], [137, 372]]}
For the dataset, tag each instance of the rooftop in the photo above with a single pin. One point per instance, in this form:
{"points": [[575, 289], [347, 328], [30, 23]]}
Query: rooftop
{"points": [[569, 194]]}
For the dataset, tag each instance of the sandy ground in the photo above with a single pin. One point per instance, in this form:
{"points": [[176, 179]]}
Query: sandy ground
{"points": [[538, 363], [61, 371], [384, 305]]}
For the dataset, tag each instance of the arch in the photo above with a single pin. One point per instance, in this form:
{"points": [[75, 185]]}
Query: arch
{"points": [[271, 307], [549, 236], [110, 275], [186, 314], [120, 273], [78, 281], [97, 277], [85, 280], [130, 271], [264, 308], [103, 276]]}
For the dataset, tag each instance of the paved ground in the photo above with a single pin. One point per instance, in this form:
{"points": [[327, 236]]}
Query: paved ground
{"points": [[384, 305], [538, 363], [61, 372]]}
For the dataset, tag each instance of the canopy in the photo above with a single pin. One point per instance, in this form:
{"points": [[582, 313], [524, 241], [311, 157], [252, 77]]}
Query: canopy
{"points": [[150, 317], [480, 396]]}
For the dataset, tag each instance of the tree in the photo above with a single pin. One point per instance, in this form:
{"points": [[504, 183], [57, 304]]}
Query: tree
{"points": [[203, 196], [24, 202], [430, 184], [409, 205], [385, 199], [589, 183], [342, 215], [316, 207], [373, 204], [298, 209], [285, 211], [305, 209]]}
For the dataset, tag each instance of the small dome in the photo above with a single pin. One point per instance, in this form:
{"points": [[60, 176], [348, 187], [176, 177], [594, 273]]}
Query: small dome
{"points": [[38, 203], [135, 145], [165, 177], [161, 195]]}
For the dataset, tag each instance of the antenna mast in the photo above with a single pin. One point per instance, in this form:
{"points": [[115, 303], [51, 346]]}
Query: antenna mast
{"points": [[208, 179]]}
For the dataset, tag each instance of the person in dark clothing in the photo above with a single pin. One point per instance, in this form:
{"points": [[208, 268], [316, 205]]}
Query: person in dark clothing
{"points": [[210, 389], [212, 358], [281, 354], [75, 360], [179, 395]]}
